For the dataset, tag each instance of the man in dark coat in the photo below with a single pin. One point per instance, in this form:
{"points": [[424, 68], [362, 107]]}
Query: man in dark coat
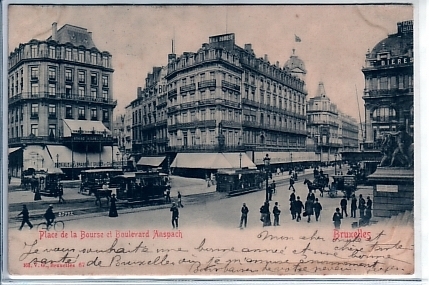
{"points": [[298, 206], [291, 182], [361, 206], [292, 196], [49, 216], [276, 213], [336, 218], [25, 217], [343, 205], [174, 216], [309, 209], [317, 209], [353, 206], [311, 196], [243, 219]]}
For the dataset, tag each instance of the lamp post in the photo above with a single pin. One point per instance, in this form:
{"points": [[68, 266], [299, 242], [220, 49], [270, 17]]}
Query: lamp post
{"points": [[267, 168], [117, 157], [58, 156], [335, 165], [240, 155]]}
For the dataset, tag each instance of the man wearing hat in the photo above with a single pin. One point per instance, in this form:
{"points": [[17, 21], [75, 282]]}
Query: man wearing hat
{"points": [[276, 213], [174, 216], [49, 216], [25, 217]]}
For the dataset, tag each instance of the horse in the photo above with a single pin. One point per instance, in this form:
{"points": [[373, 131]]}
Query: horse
{"points": [[314, 186]]}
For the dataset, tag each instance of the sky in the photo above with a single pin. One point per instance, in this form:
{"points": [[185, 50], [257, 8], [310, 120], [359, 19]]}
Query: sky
{"points": [[334, 38]]}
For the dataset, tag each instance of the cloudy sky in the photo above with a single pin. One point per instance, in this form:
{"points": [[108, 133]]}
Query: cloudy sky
{"points": [[334, 39]]}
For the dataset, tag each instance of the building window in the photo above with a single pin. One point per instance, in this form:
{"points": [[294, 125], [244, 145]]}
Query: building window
{"points": [[212, 114], [81, 56], [105, 61], [93, 58], [384, 114], [202, 77], [35, 129], [52, 111], [81, 113], [68, 91], [105, 81], [34, 89], [94, 114], [68, 54], [383, 83], [105, 95], [69, 112], [52, 73], [52, 52], [193, 116], [203, 115], [52, 130], [33, 51], [94, 80], [81, 76], [34, 73], [69, 75], [105, 115], [93, 94], [52, 89], [81, 92]]}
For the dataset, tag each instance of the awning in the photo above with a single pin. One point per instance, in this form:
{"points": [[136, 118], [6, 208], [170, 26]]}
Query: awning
{"points": [[84, 127], [13, 149], [154, 161], [212, 160]]}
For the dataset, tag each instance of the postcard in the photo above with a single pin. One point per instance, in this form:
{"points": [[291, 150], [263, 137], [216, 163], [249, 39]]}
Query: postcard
{"points": [[210, 140]]}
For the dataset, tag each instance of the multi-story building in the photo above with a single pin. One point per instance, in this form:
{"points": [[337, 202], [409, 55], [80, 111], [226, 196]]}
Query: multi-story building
{"points": [[128, 129], [60, 103], [348, 132], [224, 97], [389, 85]]}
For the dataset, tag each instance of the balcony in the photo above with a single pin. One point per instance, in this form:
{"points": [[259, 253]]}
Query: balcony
{"points": [[188, 88], [231, 124], [389, 92], [32, 139], [172, 93], [207, 84], [250, 102], [172, 109], [61, 96], [230, 86]]}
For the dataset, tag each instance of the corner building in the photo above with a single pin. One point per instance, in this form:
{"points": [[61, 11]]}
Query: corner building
{"points": [[60, 103], [389, 86], [223, 98]]}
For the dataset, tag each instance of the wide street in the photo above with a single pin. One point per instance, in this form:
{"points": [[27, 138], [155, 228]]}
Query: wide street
{"points": [[219, 212]]}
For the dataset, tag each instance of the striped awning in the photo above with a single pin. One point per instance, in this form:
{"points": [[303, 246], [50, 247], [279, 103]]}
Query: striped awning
{"points": [[13, 149]]}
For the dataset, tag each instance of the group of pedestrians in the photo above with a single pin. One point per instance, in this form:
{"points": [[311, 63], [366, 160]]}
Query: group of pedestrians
{"points": [[365, 210], [311, 207]]}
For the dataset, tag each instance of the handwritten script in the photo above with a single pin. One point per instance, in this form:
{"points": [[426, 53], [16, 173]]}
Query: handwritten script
{"points": [[258, 252]]}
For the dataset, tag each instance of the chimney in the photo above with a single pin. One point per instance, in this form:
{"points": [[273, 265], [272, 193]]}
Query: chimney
{"points": [[139, 92], [248, 47], [54, 31], [90, 35], [265, 57], [277, 64]]}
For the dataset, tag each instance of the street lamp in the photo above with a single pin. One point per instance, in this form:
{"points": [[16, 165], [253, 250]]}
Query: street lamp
{"points": [[240, 155], [117, 157], [335, 165], [267, 168]]}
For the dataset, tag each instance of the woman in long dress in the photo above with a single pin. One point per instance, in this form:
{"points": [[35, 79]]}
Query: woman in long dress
{"points": [[113, 213]]}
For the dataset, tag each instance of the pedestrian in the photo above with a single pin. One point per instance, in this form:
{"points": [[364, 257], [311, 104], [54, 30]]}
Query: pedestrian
{"points": [[353, 206], [309, 209], [315, 172], [243, 219], [321, 172], [298, 206], [278, 171], [179, 199], [265, 214], [25, 217], [336, 218], [317, 209], [60, 194], [270, 192], [343, 204], [174, 216], [292, 210], [49, 216], [273, 186], [361, 206], [291, 183], [368, 203], [276, 213], [292, 196], [311, 196], [167, 195], [9, 177], [113, 213]]}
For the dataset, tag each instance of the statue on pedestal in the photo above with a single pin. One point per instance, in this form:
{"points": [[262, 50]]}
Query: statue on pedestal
{"points": [[398, 149]]}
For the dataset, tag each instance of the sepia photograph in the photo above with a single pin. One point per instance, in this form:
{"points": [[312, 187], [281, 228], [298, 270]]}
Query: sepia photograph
{"points": [[194, 141]]}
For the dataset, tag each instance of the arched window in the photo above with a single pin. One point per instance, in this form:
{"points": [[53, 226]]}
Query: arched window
{"points": [[384, 114]]}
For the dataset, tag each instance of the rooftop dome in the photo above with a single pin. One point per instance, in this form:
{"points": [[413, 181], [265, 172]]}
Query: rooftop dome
{"points": [[395, 44], [294, 62]]}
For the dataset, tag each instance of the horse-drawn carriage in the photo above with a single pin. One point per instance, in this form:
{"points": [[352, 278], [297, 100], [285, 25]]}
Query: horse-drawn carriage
{"points": [[347, 184], [50, 182], [319, 183]]}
